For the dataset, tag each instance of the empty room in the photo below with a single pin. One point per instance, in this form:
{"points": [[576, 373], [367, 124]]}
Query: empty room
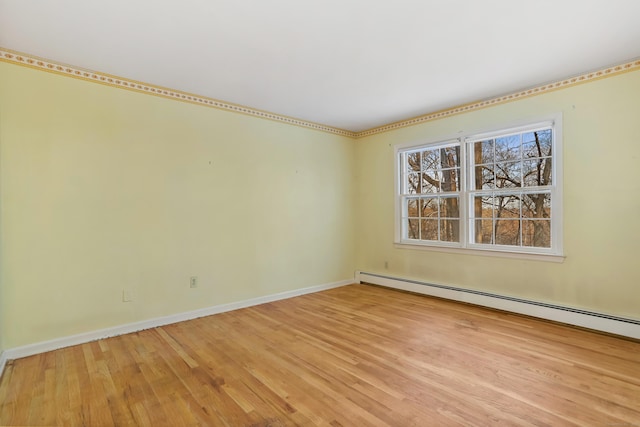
{"points": [[338, 213]]}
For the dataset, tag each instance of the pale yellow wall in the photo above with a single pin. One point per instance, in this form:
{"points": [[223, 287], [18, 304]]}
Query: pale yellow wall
{"points": [[601, 203], [104, 189]]}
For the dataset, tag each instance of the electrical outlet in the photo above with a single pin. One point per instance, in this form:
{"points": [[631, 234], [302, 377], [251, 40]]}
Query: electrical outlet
{"points": [[127, 295], [193, 282], [386, 265]]}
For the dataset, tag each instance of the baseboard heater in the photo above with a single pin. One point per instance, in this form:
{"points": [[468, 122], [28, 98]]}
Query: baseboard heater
{"points": [[573, 316]]}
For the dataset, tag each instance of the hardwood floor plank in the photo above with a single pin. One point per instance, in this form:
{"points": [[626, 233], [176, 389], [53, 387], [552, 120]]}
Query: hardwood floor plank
{"points": [[356, 355]]}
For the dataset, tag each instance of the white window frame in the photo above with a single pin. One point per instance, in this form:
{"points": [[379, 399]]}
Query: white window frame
{"points": [[466, 245]]}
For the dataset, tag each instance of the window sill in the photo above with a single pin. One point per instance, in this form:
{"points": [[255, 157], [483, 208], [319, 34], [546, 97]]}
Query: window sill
{"points": [[483, 252]]}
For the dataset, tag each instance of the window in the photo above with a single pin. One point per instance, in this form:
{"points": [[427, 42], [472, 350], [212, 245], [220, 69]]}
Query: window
{"points": [[431, 199], [495, 191]]}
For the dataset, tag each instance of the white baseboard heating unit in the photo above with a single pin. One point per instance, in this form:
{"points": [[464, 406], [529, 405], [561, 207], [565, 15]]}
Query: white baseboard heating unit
{"points": [[573, 316]]}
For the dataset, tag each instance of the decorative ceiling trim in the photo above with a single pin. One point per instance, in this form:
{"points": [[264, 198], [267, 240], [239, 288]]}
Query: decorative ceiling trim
{"points": [[31, 61], [537, 90]]}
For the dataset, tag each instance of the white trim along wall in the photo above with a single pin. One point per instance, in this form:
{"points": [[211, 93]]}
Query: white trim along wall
{"points": [[572, 316], [58, 343]]}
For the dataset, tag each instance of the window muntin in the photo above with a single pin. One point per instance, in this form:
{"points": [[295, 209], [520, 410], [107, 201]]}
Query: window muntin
{"points": [[431, 193], [512, 218], [510, 190], [496, 191], [517, 160]]}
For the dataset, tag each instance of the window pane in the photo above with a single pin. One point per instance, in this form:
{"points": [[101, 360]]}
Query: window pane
{"points": [[507, 232], [483, 206], [413, 183], [450, 230], [529, 205], [413, 162], [508, 206], [508, 148], [431, 181], [537, 172], [429, 229], [430, 159], [531, 150], [528, 138], [544, 141], [483, 177], [483, 152], [449, 207], [413, 229], [536, 233], [532, 172], [484, 231], [449, 157], [508, 175], [412, 207], [537, 144], [450, 179], [429, 208], [536, 205]]}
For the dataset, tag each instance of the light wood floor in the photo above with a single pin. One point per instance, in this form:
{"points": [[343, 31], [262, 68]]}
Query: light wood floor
{"points": [[354, 356]]}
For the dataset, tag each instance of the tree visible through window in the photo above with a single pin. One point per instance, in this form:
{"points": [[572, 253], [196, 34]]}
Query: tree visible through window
{"points": [[511, 189], [493, 191], [433, 181]]}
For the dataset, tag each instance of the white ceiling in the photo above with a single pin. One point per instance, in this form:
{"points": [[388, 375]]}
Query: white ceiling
{"points": [[350, 64]]}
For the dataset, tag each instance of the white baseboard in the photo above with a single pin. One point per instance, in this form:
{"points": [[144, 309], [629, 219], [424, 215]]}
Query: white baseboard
{"points": [[597, 321], [55, 344]]}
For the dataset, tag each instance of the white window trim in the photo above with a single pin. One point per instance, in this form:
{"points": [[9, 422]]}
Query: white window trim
{"points": [[554, 254]]}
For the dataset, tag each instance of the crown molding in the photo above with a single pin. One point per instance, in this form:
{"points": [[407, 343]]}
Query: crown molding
{"points": [[31, 61]]}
